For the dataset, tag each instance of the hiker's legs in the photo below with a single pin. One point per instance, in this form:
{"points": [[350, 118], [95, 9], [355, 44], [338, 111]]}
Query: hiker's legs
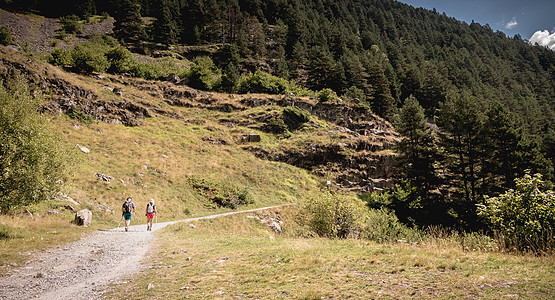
{"points": [[127, 217], [149, 223]]}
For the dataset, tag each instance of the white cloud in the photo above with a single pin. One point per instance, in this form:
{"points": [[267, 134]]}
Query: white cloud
{"points": [[543, 38], [511, 24]]}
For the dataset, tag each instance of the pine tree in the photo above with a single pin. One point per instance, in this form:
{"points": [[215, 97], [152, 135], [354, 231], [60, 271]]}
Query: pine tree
{"points": [[129, 26], [164, 28], [461, 121], [417, 149]]}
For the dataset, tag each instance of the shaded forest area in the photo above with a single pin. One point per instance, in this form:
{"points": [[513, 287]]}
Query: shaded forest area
{"points": [[492, 97]]}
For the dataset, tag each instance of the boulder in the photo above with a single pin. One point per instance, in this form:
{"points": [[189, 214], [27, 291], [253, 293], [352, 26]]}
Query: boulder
{"points": [[275, 226], [117, 91], [251, 137], [83, 217]]}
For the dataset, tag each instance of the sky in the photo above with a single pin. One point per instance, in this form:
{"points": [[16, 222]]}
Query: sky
{"points": [[533, 20]]}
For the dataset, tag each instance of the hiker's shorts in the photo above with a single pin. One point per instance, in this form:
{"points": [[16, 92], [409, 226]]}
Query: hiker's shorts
{"points": [[127, 216], [149, 215]]}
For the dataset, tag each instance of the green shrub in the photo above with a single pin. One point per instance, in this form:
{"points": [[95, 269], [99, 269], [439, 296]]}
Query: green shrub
{"points": [[523, 218], [76, 112], [120, 59], [262, 82], [334, 216], [60, 57], [204, 74], [6, 38], [326, 95], [71, 24], [87, 60], [383, 226], [295, 117], [275, 125], [223, 195]]}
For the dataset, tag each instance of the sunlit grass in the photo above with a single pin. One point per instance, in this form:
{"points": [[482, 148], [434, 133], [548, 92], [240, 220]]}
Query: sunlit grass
{"points": [[239, 257]]}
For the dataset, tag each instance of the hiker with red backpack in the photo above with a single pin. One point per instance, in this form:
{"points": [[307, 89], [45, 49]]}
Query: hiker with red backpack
{"points": [[127, 210], [150, 213]]}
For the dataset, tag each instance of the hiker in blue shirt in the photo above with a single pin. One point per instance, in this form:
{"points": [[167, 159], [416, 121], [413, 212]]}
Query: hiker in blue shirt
{"points": [[128, 208]]}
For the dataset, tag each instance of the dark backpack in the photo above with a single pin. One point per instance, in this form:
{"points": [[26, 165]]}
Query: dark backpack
{"points": [[126, 207]]}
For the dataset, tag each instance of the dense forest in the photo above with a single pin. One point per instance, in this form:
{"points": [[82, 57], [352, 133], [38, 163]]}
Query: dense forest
{"points": [[477, 108]]}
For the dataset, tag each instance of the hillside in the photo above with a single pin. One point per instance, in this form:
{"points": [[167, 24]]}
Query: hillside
{"points": [[195, 151], [167, 122]]}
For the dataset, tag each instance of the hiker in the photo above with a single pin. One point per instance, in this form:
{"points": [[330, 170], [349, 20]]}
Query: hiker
{"points": [[150, 213], [127, 210]]}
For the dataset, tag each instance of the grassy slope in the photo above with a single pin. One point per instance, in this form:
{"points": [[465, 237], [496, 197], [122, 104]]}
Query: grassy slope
{"points": [[237, 257], [154, 160]]}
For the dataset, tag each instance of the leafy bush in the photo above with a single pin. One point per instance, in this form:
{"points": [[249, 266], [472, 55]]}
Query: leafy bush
{"points": [[275, 125], [295, 117], [32, 160], [76, 112], [223, 195], [204, 74], [5, 36], [262, 82], [60, 57], [523, 218], [87, 60], [326, 95], [70, 24], [334, 216], [383, 226], [120, 59]]}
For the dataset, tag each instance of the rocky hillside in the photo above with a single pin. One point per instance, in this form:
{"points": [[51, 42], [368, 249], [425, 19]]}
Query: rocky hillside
{"points": [[345, 141]]}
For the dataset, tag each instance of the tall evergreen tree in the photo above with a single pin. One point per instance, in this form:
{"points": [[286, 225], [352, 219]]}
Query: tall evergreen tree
{"points": [[164, 28], [461, 121], [129, 26], [417, 149]]}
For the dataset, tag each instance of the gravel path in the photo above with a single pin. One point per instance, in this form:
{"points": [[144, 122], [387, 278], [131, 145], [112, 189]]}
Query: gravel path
{"points": [[83, 269]]}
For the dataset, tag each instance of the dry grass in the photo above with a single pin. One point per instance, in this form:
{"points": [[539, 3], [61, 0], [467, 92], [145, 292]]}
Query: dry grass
{"points": [[238, 257]]}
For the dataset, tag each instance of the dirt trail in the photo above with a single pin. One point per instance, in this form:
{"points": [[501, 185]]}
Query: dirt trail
{"points": [[83, 269]]}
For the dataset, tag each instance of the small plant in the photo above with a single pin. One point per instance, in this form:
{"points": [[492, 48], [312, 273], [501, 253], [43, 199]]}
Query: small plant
{"points": [[327, 95], [295, 117], [71, 25], [276, 126], [60, 57], [6, 38], [383, 226], [7, 232], [76, 112]]}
